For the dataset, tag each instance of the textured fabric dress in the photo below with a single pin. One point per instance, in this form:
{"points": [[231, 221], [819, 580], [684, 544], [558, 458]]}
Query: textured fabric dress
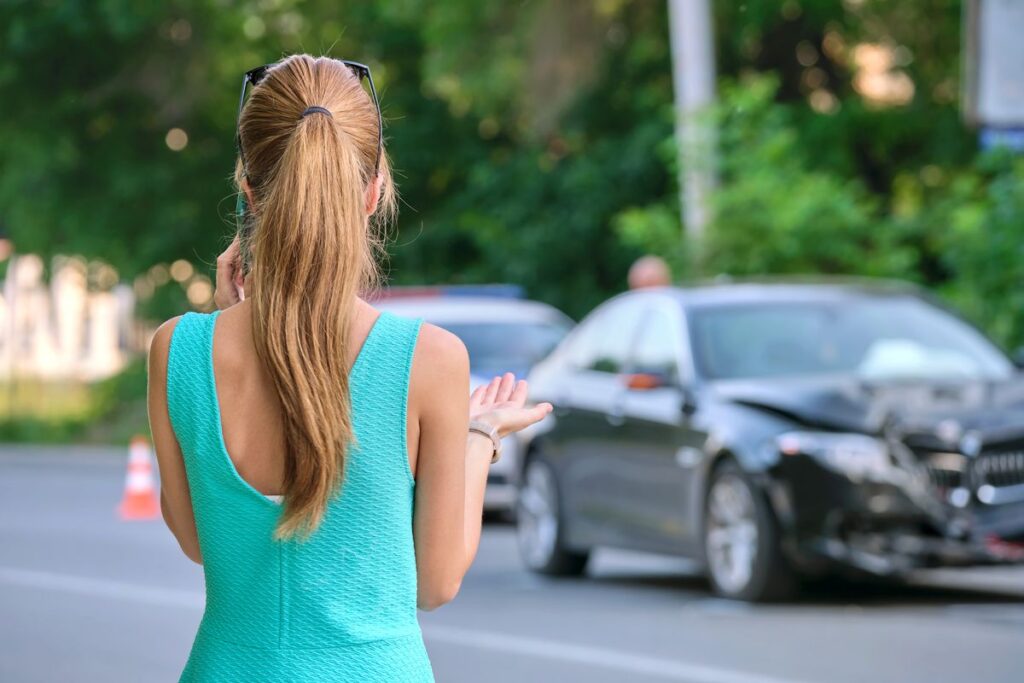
{"points": [[341, 605]]}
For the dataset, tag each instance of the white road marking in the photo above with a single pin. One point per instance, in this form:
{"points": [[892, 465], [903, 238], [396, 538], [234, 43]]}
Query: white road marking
{"points": [[660, 667], [586, 655], [102, 588]]}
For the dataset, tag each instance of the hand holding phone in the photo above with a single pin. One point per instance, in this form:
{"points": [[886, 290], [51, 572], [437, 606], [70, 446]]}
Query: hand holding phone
{"points": [[230, 279]]}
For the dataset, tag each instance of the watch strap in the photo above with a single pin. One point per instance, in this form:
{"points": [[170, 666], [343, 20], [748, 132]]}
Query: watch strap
{"points": [[491, 432]]}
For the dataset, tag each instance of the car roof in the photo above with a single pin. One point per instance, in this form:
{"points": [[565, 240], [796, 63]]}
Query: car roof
{"points": [[476, 309], [733, 292]]}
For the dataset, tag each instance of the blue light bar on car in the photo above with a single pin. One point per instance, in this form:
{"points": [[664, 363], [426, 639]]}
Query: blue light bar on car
{"points": [[502, 291]]}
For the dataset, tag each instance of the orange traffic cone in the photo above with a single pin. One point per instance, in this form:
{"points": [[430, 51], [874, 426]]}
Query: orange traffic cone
{"points": [[140, 501]]}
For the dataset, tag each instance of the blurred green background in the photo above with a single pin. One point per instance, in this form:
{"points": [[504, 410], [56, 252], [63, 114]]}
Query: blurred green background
{"points": [[533, 144]]}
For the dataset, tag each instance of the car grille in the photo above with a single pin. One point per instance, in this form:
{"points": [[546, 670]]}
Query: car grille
{"points": [[995, 476], [1000, 469]]}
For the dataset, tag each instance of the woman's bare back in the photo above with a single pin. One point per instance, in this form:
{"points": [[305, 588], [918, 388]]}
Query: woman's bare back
{"points": [[251, 414]]}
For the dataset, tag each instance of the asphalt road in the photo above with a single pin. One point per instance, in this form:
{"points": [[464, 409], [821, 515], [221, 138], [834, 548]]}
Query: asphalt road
{"points": [[85, 597]]}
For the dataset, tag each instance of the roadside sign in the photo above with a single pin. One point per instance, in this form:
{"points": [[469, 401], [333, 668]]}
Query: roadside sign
{"points": [[1010, 138], [993, 82]]}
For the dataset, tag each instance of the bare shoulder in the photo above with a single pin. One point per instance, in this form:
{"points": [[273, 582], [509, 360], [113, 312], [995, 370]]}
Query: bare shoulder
{"points": [[437, 349], [162, 336], [440, 361], [160, 346]]}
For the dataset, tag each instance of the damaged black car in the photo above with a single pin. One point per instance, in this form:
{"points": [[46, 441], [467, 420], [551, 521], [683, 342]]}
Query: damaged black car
{"points": [[776, 431]]}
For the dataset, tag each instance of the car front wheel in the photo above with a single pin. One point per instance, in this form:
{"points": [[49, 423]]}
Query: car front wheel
{"points": [[539, 524], [741, 540]]}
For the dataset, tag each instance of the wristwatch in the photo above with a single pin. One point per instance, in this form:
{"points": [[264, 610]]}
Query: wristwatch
{"points": [[491, 432]]}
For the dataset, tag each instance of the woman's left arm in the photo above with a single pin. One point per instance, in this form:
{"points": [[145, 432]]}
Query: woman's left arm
{"points": [[175, 501]]}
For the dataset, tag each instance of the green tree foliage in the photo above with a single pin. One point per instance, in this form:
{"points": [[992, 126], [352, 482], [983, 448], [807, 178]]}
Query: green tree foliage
{"points": [[775, 213], [533, 141], [505, 169], [983, 247]]}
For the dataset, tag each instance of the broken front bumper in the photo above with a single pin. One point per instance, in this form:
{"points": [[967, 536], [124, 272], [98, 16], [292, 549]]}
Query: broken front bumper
{"points": [[891, 527]]}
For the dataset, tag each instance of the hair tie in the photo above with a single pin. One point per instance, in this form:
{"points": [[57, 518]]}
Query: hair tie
{"points": [[317, 110]]}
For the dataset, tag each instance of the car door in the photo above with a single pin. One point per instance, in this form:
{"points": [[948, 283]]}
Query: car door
{"points": [[586, 433], [659, 444]]}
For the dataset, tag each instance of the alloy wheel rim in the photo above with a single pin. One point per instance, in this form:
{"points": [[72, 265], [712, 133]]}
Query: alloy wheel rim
{"points": [[732, 536], [537, 520]]}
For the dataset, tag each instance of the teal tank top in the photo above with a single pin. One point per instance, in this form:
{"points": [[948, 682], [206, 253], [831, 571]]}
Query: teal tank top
{"points": [[340, 605]]}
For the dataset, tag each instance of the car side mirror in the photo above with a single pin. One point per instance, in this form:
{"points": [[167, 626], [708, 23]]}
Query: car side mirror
{"points": [[643, 381]]}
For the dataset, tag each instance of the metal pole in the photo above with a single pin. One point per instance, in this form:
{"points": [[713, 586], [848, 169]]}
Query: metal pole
{"points": [[11, 343], [693, 76]]}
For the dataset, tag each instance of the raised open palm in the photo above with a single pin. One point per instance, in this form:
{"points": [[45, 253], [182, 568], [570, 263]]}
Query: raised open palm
{"points": [[502, 403]]}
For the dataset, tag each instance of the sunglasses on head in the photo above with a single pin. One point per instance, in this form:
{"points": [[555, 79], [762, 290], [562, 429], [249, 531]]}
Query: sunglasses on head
{"points": [[253, 77]]}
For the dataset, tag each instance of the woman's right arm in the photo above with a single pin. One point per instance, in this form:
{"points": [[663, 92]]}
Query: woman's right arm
{"points": [[451, 463]]}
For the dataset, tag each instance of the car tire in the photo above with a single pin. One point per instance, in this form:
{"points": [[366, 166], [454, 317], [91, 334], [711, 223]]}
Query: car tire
{"points": [[742, 544], [539, 528]]}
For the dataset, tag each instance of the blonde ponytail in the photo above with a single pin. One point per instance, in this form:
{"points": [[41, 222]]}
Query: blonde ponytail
{"points": [[313, 253]]}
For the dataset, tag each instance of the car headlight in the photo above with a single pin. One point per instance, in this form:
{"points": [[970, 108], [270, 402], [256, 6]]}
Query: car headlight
{"points": [[855, 455]]}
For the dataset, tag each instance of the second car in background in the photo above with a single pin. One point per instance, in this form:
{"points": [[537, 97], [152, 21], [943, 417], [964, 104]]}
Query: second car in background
{"points": [[502, 334]]}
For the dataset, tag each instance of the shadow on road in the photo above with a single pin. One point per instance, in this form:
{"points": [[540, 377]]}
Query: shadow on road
{"points": [[883, 593], [867, 593], [681, 579]]}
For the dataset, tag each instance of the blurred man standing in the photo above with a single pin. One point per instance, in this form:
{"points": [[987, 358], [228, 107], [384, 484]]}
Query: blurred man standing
{"points": [[649, 271]]}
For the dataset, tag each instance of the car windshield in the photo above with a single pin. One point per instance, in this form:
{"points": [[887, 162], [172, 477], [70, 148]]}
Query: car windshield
{"points": [[497, 347], [885, 338]]}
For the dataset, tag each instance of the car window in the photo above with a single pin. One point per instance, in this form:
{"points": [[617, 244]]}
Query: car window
{"points": [[602, 342], [495, 348], [874, 338], [657, 347]]}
